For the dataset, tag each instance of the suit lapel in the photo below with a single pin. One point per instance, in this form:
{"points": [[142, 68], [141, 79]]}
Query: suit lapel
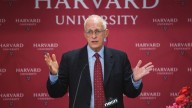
{"points": [[108, 64], [84, 65]]}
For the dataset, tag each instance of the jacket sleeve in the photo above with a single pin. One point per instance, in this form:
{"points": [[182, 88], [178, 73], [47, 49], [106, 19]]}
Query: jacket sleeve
{"points": [[60, 87], [128, 88]]}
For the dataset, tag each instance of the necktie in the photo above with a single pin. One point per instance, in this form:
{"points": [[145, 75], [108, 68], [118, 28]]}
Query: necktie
{"points": [[99, 96]]}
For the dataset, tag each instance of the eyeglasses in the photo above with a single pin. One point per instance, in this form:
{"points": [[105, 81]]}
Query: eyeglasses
{"points": [[97, 32]]}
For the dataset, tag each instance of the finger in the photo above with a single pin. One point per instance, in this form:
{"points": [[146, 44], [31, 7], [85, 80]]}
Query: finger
{"points": [[139, 63], [54, 57], [46, 53], [146, 73], [149, 70], [47, 56], [47, 59], [149, 67], [148, 64]]}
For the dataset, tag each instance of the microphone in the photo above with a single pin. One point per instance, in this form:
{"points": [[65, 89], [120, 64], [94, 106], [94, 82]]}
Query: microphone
{"points": [[111, 102], [78, 85]]}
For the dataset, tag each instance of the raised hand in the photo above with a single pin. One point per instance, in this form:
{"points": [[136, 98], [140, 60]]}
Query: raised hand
{"points": [[52, 63], [140, 72]]}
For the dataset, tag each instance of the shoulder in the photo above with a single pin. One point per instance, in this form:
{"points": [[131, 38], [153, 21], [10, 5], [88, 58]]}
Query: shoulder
{"points": [[117, 55], [80, 52], [115, 52], [72, 53]]}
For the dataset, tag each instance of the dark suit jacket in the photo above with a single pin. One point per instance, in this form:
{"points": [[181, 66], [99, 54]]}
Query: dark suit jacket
{"points": [[117, 79]]}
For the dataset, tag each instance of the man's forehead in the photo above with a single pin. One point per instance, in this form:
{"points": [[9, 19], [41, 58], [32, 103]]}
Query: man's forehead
{"points": [[96, 23]]}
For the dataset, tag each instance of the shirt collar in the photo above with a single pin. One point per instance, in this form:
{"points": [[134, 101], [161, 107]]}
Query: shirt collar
{"points": [[91, 52]]}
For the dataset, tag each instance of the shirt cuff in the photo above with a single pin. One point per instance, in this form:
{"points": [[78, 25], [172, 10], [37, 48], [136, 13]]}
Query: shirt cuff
{"points": [[53, 78], [137, 83]]}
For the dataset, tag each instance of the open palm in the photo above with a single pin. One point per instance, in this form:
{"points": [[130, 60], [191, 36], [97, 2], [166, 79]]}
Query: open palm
{"points": [[52, 63], [140, 72]]}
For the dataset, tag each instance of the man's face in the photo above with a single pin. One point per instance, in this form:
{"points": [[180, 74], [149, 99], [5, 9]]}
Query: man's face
{"points": [[95, 34]]}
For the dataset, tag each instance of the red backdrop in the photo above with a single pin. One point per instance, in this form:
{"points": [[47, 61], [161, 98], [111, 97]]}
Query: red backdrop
{"points": [[150, 30]]}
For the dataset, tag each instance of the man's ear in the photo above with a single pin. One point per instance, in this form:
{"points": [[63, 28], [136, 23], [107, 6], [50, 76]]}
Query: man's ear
{"points": [[106, 32]]}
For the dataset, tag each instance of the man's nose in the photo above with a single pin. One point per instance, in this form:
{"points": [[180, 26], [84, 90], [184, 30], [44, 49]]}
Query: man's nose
{"points": [[94, 35]]}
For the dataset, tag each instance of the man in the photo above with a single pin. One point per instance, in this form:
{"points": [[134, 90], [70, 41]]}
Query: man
{"points": [[95, 76]]}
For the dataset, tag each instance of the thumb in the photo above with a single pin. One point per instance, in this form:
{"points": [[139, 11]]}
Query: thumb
{"points": [[54, 57], [139, 63]]}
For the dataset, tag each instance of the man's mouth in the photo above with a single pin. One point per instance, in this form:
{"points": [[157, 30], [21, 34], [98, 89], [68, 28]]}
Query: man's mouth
{"points": [[94, 41]]}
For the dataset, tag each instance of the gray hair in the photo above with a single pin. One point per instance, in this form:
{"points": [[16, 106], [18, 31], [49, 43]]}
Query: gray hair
{"points": [[96, 18]]}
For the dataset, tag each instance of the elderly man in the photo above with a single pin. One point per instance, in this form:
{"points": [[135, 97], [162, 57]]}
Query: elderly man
{"points": [[95, 76]]}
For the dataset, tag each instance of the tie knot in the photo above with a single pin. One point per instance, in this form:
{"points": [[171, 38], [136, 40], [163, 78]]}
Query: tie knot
{"points": [[96, 55]]}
